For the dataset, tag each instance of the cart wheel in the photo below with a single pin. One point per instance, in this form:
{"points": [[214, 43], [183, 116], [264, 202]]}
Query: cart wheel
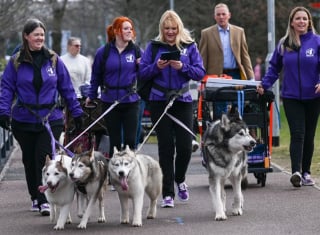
{"points": [[263, 180]]}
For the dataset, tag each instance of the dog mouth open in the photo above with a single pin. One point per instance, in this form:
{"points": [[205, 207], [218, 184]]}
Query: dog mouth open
{"points": [[43, 188], [123, 181]]}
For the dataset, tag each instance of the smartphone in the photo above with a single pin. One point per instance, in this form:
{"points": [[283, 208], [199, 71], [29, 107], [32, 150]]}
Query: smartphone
{"points": [[171, 55]]}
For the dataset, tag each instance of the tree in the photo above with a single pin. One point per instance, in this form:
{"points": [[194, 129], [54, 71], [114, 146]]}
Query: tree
{"points": [[58, 10]]}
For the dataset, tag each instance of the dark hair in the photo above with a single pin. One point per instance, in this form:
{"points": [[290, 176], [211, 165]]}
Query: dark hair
{"points": [[29, 26]]}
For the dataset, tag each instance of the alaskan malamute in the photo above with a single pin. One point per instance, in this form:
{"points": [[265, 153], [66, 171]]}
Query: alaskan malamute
{"points": [[133, 174], [225, 146]]}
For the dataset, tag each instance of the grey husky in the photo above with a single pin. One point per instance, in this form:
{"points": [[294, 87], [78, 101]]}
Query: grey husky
{"points": [[132, 175], [225, 146], [89, 172]]}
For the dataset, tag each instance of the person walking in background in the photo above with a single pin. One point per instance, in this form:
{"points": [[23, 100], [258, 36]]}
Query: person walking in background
{"points": [[117, 75], [78, 65], [223, 47], [171, 79], [259, 69], [224, 50], [297, 53], [34, 77]]}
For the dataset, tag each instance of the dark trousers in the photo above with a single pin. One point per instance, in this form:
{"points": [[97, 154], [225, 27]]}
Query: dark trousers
{"points": [[302, 116], [35, 146], [122, 124], [174, 142]]}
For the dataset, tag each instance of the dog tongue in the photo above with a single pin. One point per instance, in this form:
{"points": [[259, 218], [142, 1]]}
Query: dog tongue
{"points": [[124, 184], [42, 188]]}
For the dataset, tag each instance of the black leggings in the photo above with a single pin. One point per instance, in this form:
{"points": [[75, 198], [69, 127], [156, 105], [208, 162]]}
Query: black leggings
{"points": [[122, 124], [302, 116], [35, 146], [174, 142]]}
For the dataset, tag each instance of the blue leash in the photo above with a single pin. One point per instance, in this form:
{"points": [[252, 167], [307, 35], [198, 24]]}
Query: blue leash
{"points": [[240, 102], [54, 142]]}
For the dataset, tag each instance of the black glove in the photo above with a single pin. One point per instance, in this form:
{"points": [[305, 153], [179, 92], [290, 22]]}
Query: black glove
{"points": [[5, 122], [78, 122]]}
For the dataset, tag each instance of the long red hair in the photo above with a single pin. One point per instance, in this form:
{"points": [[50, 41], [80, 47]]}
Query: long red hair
{"points": [[116, 26]]}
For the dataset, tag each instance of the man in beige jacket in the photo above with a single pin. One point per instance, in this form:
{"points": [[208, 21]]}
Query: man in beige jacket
{"points": [[223, 47]]}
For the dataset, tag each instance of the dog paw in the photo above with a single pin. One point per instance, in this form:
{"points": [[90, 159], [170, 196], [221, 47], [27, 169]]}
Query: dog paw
{"points": [[137, 224], [101, 220], [58, 227], [82, 226], [124, 221], [237, 211], [221, 217]]}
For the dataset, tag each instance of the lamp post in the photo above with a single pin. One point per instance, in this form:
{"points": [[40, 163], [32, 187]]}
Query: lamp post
{"points": [[171, 4]]}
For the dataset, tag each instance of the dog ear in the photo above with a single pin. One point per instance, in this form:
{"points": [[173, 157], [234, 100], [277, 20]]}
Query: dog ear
{"points": [[225, 122], [115, 150], [48, 159], [91, 154], [127, 148], [78, 148]]}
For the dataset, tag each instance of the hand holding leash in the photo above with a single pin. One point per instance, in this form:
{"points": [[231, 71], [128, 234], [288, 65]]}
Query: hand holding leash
{"points": [[5, 122]]}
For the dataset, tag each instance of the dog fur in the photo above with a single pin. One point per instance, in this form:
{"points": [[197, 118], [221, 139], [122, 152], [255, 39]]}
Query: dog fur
{"points": [[58, 188], [132, 175], [225, 146], [89, 173]]}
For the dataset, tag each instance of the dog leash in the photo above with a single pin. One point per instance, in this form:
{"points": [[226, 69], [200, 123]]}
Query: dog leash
{"points": [[98, 119], [173, 98], [54, 142], [180, 124]]}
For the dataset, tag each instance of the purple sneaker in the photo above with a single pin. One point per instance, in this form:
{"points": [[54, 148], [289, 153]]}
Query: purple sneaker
{"points": [[183, 193], [45, 209], [34, 206], [167, 202], [307, 180]]}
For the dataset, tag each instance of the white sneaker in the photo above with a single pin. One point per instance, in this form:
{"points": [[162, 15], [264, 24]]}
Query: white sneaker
{"points": [[195, 145], [296, 179]]}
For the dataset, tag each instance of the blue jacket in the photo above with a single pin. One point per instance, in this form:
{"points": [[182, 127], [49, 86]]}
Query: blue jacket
{"points": [[17, 84], [120, 74], [301, 68], [169, 78]]}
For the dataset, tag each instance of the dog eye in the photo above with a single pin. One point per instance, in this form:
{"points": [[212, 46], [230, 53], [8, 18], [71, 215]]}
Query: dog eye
{"points": [[241, 133]]}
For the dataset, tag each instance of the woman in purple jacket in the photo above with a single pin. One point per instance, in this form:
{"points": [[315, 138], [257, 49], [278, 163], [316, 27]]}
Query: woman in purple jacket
{"points": [[171, 79], [116, 74], [33, 78], [298, 54]]}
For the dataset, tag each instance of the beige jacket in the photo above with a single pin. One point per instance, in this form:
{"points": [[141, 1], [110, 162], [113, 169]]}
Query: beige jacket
{"points": [[212, 53]]}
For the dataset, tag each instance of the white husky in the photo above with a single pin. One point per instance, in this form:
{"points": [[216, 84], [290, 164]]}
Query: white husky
{"points": [[133, 174], [58, 188], [225, 146]]}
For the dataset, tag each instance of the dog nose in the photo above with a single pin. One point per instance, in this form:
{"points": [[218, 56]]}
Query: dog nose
{"points": [[71, 174], [121, 173], [252, 143]]}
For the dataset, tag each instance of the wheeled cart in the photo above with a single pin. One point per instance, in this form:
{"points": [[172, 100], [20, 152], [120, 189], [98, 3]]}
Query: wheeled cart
{"points": [[218, 95]]}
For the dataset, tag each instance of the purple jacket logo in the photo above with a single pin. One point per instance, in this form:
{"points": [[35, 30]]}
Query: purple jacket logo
{"points": [[310, 52], [50, 71]]}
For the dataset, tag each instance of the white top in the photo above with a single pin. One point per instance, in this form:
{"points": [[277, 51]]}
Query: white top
{"points": [[79, 68]]}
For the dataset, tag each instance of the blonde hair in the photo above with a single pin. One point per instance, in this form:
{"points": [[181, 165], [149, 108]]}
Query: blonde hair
{"points": [[171, 18], [290, 36]]}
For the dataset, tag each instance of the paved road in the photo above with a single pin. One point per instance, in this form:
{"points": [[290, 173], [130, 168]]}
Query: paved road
{"points": [[277, 208]]}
